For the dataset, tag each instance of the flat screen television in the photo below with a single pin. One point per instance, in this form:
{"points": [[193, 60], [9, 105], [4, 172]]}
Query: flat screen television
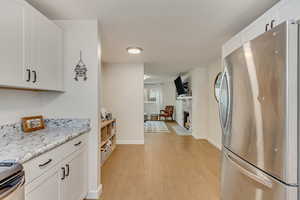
{"points": [[179, 86]]}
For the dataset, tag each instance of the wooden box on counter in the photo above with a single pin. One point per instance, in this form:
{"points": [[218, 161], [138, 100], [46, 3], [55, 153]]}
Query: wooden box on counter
{"points": [[108, 139]]}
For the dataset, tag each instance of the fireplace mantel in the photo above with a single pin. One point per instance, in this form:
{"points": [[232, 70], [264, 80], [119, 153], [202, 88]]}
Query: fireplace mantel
{"points": [[184, 98]]}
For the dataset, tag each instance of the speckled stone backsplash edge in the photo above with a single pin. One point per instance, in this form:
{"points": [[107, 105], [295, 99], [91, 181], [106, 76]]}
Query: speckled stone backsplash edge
{"points": [[50, 123]]}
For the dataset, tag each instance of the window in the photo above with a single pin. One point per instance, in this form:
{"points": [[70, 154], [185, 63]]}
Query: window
{"points": [[150, 95]]}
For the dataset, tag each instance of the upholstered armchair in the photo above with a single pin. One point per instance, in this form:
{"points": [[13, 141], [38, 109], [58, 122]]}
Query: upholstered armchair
{"points": [[167, 113]]}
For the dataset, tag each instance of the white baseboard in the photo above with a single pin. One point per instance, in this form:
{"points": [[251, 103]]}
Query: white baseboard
{"points": [[209, 141], [130, 142], [197, 137], [214, 144], [95, 194]]}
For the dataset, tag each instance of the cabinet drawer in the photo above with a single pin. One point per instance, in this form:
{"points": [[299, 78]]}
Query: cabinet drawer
{"points": [[41, 164], [76, 144]]}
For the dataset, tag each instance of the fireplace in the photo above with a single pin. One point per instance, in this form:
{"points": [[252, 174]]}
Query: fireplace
{"points": [[183, 115], [186, 120]]}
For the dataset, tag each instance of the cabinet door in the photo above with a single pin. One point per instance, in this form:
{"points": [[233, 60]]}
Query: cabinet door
{"points": [[31, 53], [42, 51], [49, 54], [75, 184], [11, 40], [273, 15], [266, 22], [47, 187], [257, 28]]}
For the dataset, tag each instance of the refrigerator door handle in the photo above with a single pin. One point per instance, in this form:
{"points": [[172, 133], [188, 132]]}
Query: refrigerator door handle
{"points": [[260, 179], [229, 98], [219, 103], [224, 123]]}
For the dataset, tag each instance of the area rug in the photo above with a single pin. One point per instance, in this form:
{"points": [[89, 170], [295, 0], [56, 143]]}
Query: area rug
{"points": [[181, 131], [155, 127]]}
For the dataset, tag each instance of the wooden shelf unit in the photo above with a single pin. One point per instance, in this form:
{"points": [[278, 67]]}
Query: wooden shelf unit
{"points": [[108, 139]]}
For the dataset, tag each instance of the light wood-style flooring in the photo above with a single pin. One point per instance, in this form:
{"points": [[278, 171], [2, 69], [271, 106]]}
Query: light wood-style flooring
{"points": [[167, 167]]}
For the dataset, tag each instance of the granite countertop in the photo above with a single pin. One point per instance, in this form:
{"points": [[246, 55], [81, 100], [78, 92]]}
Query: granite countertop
{"points": [[17, 146]]}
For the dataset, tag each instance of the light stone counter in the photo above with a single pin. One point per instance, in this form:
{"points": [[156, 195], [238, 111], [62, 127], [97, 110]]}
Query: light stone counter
{"points": [[17, 146]]}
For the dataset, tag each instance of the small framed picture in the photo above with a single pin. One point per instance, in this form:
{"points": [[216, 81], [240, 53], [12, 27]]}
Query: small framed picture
{"points": [[33, 123]]}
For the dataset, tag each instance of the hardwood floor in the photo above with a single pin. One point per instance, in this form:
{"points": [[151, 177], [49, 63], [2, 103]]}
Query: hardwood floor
{"points": [[167, 167]]}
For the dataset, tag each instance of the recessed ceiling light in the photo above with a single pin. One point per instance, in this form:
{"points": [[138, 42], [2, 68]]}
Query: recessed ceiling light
{"points": [[134, 50]]}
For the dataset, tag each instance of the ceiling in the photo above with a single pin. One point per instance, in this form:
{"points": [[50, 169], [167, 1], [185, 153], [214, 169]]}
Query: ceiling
{"points": [[176, 35]]}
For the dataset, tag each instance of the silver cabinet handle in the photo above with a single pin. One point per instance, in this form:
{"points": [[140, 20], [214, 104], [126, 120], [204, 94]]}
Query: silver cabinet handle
{"points": [[46, 163], [77, 144], [34, 76], [28, 75], [267, 27], [272, 23], [63, 173], [262, 180], [68, 170]]}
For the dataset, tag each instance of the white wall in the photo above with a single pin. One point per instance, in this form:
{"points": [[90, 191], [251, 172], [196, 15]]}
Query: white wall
{"points": [[169, 93], [15, 104], [81, 99], [200, 102], [205, 108], [123, 95], [214, 129]]}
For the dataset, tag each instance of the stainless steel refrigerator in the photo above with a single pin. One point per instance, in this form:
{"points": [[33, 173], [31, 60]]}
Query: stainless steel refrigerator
{"points": [[258, 106]]}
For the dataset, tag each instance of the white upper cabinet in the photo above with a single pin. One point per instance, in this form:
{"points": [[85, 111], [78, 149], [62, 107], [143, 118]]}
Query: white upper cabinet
{"points": [[11, 40], [49, 53], [231, 45], [31, 49], [282, 11], [267, 21], [31, 52], [290, 10], [256, 28]]}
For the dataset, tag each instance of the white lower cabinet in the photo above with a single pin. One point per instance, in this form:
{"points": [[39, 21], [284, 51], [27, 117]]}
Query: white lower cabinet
{"points": [[64, 180], [47, 187], [75, 183]]}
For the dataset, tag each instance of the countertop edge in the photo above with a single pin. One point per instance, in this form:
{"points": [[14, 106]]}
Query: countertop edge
{"points": [[52, 146]]}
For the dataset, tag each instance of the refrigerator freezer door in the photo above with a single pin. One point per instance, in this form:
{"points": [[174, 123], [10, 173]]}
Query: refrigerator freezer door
{"points": [[240, 180], [263, 102]]}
